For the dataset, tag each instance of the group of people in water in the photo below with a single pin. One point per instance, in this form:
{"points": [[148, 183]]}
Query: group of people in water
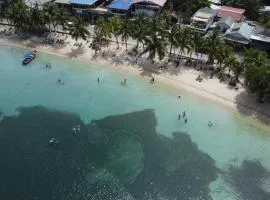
{"points": [[124, 82], [183, 116], [48, 66], [75, 130]]}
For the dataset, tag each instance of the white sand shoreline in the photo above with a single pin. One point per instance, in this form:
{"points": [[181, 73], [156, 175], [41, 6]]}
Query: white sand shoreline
{"points": [[210, 89]]}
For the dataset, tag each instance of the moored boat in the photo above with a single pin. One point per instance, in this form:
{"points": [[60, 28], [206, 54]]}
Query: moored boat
{"points": [[30, 56]]}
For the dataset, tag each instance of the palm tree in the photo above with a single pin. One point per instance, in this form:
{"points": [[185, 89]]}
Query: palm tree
{"points": [[18, 13], [36, 19], [183, 40], [50, 11], [235, 66], [223, 51], [197, 44], [139, 28], [78, 29], [172, 37], [213, 44], [115, 25], [155, 45], [125, 31], [62, 19], [101, 32]]}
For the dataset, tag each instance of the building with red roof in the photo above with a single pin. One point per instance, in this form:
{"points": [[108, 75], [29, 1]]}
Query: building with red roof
{"points": [[236, 13]]}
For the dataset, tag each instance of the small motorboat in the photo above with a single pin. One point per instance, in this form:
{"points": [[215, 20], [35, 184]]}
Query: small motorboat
{"points": [[28, 57], [53, 141]]}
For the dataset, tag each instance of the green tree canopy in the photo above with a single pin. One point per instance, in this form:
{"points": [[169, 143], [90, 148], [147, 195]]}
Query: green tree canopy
{"points": [[257, 73]]}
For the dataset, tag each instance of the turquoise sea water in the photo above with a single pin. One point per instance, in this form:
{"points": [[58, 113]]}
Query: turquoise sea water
{"points": [[131, 144]]}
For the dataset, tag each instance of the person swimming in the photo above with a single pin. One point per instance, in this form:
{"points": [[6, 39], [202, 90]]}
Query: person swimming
{"points": [[210, 123]]}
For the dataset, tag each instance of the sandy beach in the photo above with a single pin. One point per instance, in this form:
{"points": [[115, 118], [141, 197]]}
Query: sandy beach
{"points": [[181, 78]]}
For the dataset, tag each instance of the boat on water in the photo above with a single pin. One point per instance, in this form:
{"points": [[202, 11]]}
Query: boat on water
{"points": [[29, 57]]}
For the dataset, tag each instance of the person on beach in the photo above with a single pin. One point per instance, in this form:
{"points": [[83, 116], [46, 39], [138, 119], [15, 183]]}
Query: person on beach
{"points": [[152, 80]]}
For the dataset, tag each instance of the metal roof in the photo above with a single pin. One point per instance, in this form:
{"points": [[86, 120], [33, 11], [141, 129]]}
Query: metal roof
{"points": [[242, 29], [120, 4], [157, 2], [83, 2], [63, 1], [229, 21], [235, 13]]}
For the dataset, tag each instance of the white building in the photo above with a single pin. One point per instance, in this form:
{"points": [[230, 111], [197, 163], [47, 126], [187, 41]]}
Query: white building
{"points": [[203, 19], [239, 32]]}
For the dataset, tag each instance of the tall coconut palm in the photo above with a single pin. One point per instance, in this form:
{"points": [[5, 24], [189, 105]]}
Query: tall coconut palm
{"points": [[223, 51], [50, 11], [78, 29], [18, 13], [126, 31], [172, 37], [183, 40], [62, 19], [115, 25], [197, 43], [139, 28], [213, 44], [36, 19], [155, 45], [102, 32], [234, 65]]}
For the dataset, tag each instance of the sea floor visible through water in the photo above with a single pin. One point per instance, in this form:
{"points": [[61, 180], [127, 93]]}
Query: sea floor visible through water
{"points": [[131, 144]]}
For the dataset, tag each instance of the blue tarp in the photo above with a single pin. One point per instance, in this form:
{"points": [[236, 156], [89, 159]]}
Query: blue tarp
{"points": [[120, 4], [84, 2]]}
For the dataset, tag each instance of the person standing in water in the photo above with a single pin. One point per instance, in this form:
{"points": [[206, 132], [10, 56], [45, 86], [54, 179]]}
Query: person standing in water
{"points": [[184, 114], [98, 79], [179, 117], [152, 80], [125, 81], [186, 121]]}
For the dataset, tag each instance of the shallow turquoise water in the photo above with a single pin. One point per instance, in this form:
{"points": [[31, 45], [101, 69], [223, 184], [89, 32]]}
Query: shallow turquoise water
{"points": [[132, 146]]}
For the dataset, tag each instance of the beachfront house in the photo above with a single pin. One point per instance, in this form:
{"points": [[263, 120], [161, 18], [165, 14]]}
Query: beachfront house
{"points": [[236, 13], [82, 7], [215, 2], [32, 3], [202, 19], [225, 23], [239, 33], [261, 40], [264, 9], [65, 4], [149, 7], [119, 7]]}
